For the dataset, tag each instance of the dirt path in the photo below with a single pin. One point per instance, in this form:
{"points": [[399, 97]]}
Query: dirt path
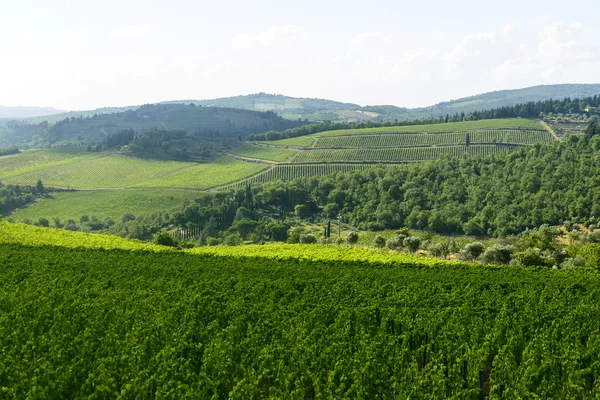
{"points": [[549, 129]]}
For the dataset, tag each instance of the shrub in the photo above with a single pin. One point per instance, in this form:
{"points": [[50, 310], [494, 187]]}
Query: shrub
{"points": [[438, 249], [211, 241], [164, 239], [232, 240], [379, 242], [412, 243], [308, 238], [471, 251], [498, 254], [352, 237], [530, 258]]}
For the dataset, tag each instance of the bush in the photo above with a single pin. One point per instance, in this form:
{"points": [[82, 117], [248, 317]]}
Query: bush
{"points": [[352, 237], [232, 240], [438, 249], [575, 262], [211, 241], [164, 239], [43, 222], [308, 238], [530, 258], [498, 254], [379, 242], [471, 251], [412, 243], [339, 241]]}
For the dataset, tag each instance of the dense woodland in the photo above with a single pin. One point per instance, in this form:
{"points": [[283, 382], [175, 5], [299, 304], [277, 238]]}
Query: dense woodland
{"points": [[589, 106]]}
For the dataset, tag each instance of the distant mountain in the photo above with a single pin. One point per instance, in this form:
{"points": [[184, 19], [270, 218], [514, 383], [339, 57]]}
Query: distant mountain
{"points": [[27, 112]]}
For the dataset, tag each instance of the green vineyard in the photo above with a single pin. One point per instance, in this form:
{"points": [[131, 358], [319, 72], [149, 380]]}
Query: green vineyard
{"points": [[100, 317], [508, 136], [402, 154], [287, 172]]}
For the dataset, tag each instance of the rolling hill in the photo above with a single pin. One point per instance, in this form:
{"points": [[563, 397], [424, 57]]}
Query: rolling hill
{"points": [[312, 109], [197, 120]]}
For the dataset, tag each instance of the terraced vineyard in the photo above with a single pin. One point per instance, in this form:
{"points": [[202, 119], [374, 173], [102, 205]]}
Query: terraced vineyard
{"points": [[302, 141], [287, 172], [262, 152], [400, 154], [511, 136]]}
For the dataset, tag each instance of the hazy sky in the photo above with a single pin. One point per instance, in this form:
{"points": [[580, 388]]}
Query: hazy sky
{"points": [[84, 54]]}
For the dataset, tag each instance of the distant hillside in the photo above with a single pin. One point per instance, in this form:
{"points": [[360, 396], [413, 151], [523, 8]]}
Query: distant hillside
{"points": [[27, 112], [313, 110], [322, 110], [200, 121], [273, 102], [504, 98]]}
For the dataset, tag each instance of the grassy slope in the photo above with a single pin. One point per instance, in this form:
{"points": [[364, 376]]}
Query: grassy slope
{"points": [[106, 171], [80, 170], [105, 203], [203, 176], [264, 153], [32, 160]]}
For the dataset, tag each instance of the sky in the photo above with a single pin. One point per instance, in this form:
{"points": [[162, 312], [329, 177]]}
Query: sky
{"points": [[79, 55]]}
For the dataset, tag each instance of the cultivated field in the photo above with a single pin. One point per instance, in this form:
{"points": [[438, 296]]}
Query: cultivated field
{"points": [[264, 153], [400, 154], [203, 176], [104, 203], [78, 170], [274, 321]]}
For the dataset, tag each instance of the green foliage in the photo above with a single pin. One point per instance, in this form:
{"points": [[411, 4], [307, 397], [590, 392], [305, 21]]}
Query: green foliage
{"points": [[164, 239], [498, 254], [307, 238], [472, 251], [232, 240], [274, 321], [531, 257], [352, 237], [379, 242], [412, 243], [591, 254]]}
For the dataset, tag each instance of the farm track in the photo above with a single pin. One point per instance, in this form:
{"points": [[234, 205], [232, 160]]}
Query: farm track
{"points": [[549, 129]]}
